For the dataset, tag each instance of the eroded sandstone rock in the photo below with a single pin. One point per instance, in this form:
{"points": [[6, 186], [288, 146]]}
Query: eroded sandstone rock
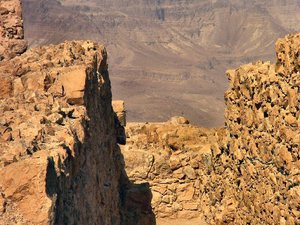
{"points": [[54, 152]]}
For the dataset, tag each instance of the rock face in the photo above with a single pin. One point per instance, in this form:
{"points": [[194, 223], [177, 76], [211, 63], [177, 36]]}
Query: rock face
{"points": [[59, 158], [59, 162], [11, 30]]}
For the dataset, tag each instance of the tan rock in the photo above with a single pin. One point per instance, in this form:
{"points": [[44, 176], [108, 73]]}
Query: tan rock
{"points": [[177, 207], [23, 188], [188, 214], [11, 30], [179, 120], [206, 149], [70, 83], [179, 174], [189, 172], [119, 109], [156, 199], [2, 204], [165, 211], [18, 86], [174, 162], [44, 140], [190, 206], [162, 189], [194, 163], [185, 192], [166, 199]]}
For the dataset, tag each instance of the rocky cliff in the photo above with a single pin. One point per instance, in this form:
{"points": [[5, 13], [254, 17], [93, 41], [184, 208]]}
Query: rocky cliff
{"points": [[60, 162], [59, 158]]}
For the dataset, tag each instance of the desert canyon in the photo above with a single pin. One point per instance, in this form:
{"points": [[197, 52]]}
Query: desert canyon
{"points": [[68, 154], [168, 57]]}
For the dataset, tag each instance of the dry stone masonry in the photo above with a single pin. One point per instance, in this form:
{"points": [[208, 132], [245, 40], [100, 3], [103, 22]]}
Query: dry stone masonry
{"points": [[11, 29], [174, 157], [263, 121]]}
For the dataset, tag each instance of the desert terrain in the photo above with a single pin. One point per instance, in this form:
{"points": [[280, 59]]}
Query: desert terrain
{"points": [[68, 155], [168, 57]]}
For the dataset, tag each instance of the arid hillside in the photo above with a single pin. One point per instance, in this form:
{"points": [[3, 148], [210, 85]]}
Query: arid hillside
{"points": [[59, 129], [168, 57]]}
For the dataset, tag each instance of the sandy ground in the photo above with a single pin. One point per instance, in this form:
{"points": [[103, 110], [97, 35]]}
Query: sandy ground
{"points": [[197, 221]]}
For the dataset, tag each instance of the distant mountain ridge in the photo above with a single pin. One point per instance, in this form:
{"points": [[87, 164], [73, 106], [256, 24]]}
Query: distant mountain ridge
{"points": [[166, 55]]}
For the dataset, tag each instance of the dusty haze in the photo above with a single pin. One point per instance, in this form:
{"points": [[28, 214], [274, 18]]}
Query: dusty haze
{"points": [[168, 57]]}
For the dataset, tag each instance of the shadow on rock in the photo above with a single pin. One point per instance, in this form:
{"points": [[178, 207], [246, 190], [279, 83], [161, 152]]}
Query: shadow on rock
{"points": [[136, 203], [91, 186]]}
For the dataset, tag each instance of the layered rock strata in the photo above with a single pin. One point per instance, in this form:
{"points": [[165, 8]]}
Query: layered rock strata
{"points": [[11, 30]]}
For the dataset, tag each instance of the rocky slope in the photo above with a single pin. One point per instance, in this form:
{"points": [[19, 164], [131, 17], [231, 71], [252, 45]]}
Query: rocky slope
{"points": [[168, 57]]}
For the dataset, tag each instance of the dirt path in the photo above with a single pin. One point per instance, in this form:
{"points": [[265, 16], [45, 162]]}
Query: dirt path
{"points": [[197, 221]]}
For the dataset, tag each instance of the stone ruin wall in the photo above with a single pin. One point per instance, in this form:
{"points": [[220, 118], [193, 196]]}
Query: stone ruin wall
{"points": [[247, 173], [175, 159], [11, 30], [263, 120]]}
